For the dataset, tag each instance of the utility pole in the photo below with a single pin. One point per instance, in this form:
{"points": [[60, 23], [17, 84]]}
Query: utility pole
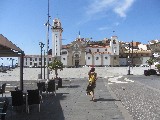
{"points": [[47, 46]]}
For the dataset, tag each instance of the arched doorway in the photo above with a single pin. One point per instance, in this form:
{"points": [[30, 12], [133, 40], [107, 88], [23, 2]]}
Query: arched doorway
{"points": [[76, 59]]}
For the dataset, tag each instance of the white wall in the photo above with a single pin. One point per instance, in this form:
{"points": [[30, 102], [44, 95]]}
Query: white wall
{"points": [[89, 61], [97, 59], [64, 57], [142, 46], [106, 61]]}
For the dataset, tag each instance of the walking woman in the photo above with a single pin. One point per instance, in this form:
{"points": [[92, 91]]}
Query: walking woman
{"points": [[92, 82]]}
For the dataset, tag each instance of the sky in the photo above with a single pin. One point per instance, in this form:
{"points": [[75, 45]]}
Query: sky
{"points": [[22, 21]]}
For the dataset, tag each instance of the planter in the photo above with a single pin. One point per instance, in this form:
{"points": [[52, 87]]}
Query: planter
{"points": [[150, 72], [59, 82]]}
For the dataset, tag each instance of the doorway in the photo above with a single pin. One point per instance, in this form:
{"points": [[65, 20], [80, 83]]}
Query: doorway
{"points": [[76, 63]]}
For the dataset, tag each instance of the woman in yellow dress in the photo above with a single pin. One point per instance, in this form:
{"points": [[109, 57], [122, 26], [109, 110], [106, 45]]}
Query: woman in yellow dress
{"points": [[92, 82]]}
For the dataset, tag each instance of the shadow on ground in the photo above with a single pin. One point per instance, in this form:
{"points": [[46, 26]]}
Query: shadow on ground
{"points": [[71, 86], [50, 109], [102, 99]]}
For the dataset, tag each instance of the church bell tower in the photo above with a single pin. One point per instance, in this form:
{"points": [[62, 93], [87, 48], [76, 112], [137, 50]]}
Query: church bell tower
{"points": [[56, 39]]}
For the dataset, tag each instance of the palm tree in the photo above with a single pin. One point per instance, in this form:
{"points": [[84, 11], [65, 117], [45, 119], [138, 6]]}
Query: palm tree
{"points": [[150, 62], [55, 65]]}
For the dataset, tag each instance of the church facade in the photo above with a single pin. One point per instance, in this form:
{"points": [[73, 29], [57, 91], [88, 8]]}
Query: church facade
{"points": [[82, 52]]}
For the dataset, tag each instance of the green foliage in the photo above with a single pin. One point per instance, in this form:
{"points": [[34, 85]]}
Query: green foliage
{"points": [[150, 61], [55, 65], [158, 67]]}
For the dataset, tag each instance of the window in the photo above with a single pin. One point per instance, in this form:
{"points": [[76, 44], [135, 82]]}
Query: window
{"points": [[76, 55], [76, 46], [97, 50], [114, 41], [49, 59], [88, 58], [64, 52], [30, 59], [39, 59], [64, 59], [106, 49], [35, 59], [106, 57], [97, 58], [30, 63]]}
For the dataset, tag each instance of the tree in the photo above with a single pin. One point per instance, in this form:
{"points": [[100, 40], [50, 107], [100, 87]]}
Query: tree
{"points": [[158, 67], [150, 62], [55, 65]]}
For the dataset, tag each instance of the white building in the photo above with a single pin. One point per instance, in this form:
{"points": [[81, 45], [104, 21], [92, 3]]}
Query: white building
{"points": [[34, 60], [103, 55], [56, 38]]}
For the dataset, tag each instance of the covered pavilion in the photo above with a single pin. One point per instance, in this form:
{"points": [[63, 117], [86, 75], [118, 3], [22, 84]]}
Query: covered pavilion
{"points": [[8, 49]]}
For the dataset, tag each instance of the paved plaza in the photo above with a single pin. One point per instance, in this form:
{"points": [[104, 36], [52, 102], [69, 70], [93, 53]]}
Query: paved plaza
{"points": [[118, 97], [72, 103], [140, 95]]}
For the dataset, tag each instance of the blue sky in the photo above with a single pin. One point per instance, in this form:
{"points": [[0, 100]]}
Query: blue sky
{"points": [[22, 21]]}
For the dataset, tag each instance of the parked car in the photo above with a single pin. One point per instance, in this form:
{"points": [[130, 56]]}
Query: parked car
{"points": [[150, 72], [144, 65]]}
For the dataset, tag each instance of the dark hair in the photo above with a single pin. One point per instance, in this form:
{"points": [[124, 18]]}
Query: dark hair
{"points": [[92, 69]]}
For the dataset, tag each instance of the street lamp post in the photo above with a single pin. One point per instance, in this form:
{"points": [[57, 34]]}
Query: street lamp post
{"points": [[12, 63], [129, 71], [132, 54], [44, 64], [41, 46], [2, 63]]}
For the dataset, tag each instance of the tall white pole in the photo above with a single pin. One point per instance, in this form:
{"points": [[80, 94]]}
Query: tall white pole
{"points": [[47, 58]]}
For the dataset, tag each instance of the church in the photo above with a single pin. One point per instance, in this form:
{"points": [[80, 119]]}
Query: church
{"points": [[83, 52]]}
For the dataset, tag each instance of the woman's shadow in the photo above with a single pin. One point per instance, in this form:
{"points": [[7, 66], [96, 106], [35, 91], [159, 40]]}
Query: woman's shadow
{"points": [[103, 99]]}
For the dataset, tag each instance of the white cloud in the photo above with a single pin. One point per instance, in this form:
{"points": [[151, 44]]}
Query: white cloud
{"points": [[103, 28], [108, 27], [98, 6], [116, 23], [120, 7]]}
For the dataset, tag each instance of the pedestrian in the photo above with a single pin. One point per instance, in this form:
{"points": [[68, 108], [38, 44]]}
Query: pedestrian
{"points": [[91, 83]]}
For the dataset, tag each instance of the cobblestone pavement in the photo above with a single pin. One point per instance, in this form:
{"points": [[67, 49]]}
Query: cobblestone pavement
{"points": [[140, 95], [71, 103]]}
